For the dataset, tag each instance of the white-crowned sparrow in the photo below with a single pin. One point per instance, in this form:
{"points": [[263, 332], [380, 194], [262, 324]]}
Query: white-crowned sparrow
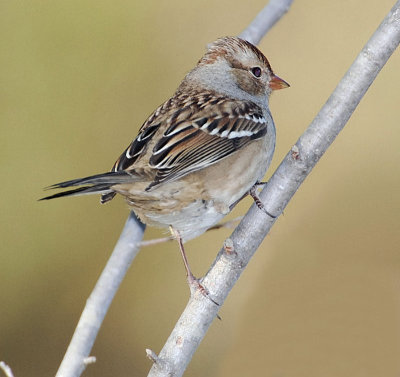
{"points": [[203, 149]]}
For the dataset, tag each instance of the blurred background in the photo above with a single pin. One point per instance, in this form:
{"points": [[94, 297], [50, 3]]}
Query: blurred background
{"points": [[78, 78]]}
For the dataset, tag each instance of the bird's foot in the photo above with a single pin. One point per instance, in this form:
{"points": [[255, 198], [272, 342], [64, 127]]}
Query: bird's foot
{"points": [[253, 193], [195, 285]]}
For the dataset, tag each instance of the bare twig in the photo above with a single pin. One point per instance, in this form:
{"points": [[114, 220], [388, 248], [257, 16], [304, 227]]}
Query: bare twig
{"points": [[89, 360], [6, 369], [200, 312], [264, 20], [77, 356], [226, 224], [155, 241]]}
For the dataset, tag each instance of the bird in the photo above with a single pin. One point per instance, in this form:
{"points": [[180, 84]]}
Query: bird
{"points": [[200, 152]]}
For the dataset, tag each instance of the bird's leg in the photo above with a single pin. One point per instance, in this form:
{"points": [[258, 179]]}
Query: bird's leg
{"points": [[178, 237], [255, 186], [192, 280], [253, 193]]}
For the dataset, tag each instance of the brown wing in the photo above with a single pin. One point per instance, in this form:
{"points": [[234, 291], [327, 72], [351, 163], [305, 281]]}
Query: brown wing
{"points": [[202, 137], [139, 145], [199, 131]]}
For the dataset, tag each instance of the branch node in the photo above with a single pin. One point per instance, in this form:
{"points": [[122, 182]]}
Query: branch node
{"points": [[153, 356], [89, 360], [229, 247], [159, 363], [295, 153]]}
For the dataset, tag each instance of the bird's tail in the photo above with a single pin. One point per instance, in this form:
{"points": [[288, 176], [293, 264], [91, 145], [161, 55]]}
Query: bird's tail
{"points": [[95, 184]]}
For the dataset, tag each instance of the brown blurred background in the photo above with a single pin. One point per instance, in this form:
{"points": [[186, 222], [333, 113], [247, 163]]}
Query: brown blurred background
{"points": [[78, 78]]}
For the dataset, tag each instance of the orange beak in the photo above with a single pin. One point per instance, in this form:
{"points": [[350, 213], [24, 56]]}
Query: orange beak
{"points": [[277, 83]]}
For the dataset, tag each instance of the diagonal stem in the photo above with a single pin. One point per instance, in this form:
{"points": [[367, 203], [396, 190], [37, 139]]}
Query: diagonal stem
{"points": [[227, 268]]}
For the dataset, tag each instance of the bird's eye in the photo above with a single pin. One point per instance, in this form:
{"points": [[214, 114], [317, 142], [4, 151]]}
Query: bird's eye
{"points": [[256, 71]]}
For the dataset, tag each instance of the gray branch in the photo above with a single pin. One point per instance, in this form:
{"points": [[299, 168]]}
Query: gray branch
{"points": [[78, 352], [230, 263], [265, 20], [77, 355], [6, 369]]}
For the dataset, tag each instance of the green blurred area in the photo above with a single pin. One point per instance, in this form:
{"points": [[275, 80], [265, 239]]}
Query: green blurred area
{"points": [[78, 78]]}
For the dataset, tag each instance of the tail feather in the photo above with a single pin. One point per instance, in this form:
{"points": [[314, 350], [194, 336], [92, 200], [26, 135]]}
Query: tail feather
{"points": [[95, 184], [110, 178], [78, 191]]}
